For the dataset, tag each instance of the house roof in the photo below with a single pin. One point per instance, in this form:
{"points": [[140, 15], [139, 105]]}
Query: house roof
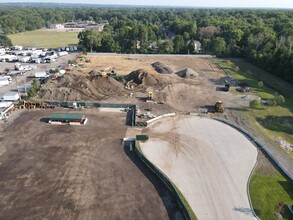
{"points": [[66, 117]]}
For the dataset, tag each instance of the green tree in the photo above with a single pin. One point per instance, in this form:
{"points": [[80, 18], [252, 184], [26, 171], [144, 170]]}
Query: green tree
{"points": [[178, 44], [218, 46]]}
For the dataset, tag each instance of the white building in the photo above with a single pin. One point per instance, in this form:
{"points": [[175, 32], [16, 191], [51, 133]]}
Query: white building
{"points": [[96, 27], [11, 96], [56, 26]]}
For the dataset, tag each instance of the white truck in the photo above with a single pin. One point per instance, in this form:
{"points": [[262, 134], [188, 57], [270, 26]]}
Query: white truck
{"points": [[5, 77], [41, 75], [4, 82]]}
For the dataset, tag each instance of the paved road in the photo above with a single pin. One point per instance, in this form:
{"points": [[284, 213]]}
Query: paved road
{"points": [[209, 161], [23, 79]]}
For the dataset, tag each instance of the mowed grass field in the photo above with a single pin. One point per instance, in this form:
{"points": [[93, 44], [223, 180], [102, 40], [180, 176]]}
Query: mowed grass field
{"points": [[268, 187], [44, 38]]}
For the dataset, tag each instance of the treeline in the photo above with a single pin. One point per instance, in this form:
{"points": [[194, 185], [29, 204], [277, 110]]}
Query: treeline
{"points": [[264, 37]]}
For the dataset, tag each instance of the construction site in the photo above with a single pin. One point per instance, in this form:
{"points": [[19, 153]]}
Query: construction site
{"points": [[50, 171]]}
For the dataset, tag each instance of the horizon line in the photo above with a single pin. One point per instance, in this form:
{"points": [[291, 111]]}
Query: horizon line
{"points": [[152, 6]]}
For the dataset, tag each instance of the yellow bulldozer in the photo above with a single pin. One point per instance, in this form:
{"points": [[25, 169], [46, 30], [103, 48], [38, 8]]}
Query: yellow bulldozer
{"points": [[109, 71], [219, 107]]}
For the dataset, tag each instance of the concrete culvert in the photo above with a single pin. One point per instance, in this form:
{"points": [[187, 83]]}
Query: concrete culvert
{"points": [[187, 73]]}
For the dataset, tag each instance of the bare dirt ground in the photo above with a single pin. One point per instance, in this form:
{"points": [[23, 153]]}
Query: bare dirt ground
{"points": [[209, 161], [178, 94], [75, 172]]}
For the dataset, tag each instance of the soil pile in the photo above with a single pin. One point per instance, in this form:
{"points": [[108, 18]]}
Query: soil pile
{"points": [[187, 73], [162, 68], [76, 87], [143, 77]]}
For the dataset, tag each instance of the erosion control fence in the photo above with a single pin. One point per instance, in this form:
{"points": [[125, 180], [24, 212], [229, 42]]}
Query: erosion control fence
{"points": [[261, 146], [187, 210], [131, 113]]}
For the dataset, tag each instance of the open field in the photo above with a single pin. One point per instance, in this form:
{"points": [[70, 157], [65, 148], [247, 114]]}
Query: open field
{"points": [[209, 161], [44, 38], [75, 172]]}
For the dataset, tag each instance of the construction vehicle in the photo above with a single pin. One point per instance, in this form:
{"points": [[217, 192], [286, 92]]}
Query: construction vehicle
{"points": [[109, 71], [150, 97], [219, 107]]}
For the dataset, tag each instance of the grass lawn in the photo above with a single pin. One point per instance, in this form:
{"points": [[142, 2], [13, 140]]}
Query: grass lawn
{"points": [[273, 121], [268, 187], [44, 38]]}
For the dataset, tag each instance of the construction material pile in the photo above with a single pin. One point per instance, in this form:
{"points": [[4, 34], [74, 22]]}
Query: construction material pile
{"points": [[143, 77], [162, 68], [77, 87], [187, 73]]}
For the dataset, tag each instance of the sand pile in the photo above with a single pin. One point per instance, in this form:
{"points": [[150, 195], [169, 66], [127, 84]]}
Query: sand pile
{"points": [[162, 68], [76, 87], [187, 73], [143, 77]]}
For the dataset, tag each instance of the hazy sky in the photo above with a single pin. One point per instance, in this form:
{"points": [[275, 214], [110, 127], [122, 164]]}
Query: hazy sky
{"points": [[194, 3]]}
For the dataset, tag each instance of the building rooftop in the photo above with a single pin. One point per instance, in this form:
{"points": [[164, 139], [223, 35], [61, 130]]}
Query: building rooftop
{"points": [[66, 116]]}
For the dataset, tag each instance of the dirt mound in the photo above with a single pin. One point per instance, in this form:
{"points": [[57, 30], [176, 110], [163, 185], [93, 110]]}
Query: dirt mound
{"points": [[76, 87], [187, 73], [162, 68], [143, 77]]}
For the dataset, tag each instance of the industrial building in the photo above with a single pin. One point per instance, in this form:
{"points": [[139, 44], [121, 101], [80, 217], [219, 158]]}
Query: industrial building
{"points": [[71, 119]]}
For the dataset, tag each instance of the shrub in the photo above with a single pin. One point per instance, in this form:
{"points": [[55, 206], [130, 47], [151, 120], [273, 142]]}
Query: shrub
{"points": [[280, 100], [255, 104], [260, 83]]}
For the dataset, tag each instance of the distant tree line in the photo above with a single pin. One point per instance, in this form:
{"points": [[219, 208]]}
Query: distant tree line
{"points": [[264, 37]]}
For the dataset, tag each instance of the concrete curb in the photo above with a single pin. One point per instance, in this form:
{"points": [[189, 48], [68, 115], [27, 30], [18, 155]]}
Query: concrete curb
{"points": [[159, 117], [258, 146]]}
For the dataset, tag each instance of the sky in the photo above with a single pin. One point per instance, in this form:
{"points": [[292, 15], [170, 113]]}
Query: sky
{"points": [[190, 3]]}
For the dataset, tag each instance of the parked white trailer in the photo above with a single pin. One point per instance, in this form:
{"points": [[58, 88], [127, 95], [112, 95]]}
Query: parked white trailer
{"points": [[11, 96], [62, 53], [7, 57], [5, 104], [24, 59], [41, 75], [4, 82]]}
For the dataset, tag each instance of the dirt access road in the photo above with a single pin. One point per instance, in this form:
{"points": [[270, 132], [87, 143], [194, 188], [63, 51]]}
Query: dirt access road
{"points": [[75, 172], [209, 161]]}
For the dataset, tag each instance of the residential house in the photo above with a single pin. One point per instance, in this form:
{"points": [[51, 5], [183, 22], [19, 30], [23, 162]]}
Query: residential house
{"points": [[197, 45]]}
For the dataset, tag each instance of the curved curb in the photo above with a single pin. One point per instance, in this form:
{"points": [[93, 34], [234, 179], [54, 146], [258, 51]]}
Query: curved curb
{"points": [[189, 215], [257, 146], [159, 117]]}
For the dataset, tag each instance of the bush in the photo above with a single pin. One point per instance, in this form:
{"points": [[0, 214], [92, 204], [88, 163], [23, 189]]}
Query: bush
{"points": [[255, 104], [260, 83], [280, 100]]}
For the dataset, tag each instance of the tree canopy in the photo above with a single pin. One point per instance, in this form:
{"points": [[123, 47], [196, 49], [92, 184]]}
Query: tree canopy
{"points": [[264, 37]]}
